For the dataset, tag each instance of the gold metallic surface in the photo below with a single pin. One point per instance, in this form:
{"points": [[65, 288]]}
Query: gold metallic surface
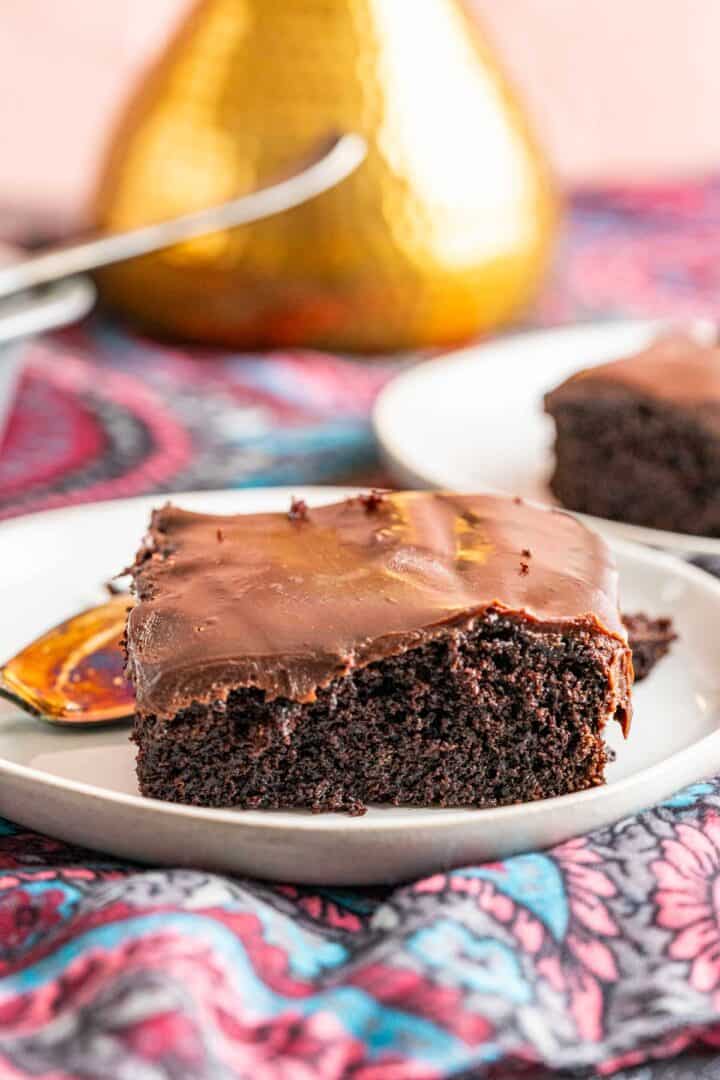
{"points": [[443, 231]]}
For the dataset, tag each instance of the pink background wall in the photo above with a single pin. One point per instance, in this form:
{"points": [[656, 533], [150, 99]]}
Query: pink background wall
{"points": [[618, 88]]}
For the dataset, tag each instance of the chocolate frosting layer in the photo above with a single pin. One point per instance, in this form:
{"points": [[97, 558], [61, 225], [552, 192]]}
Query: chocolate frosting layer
{"points": [[675, 368], [286, 603]]}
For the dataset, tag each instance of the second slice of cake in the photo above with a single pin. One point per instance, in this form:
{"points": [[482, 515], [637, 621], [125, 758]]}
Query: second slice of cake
{"points": [[638, 439], [413, 648]]}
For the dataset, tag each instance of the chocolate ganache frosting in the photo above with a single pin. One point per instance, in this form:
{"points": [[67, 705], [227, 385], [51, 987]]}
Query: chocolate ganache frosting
{"points": [[675, 368], [287, 602]]}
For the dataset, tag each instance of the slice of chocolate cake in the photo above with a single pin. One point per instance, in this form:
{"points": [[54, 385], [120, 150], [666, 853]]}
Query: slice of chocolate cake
{"points": [[413, 648], [638, 440]]}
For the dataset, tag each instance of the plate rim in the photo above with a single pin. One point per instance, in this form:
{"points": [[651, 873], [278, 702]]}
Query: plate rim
{"points": [[402, 465], [328, 823]]}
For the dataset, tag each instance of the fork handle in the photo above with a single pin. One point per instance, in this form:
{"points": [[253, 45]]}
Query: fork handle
{"points": [[331, 162]]}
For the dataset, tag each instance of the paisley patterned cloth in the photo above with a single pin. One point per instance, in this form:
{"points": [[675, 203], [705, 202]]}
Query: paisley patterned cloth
{"points": [[599, 957], [594, 956]]}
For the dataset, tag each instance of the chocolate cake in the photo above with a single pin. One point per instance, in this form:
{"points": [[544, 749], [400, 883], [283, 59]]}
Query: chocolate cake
{"points": [[638, 439], [412, 648], [650, 640]]}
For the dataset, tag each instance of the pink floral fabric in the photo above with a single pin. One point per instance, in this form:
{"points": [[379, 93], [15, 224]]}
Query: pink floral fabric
{"points": [[688, 899], [596, 957]]}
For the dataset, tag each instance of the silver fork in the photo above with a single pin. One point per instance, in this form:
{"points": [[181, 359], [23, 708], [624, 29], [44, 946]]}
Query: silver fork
{"points": [[330, 162]]}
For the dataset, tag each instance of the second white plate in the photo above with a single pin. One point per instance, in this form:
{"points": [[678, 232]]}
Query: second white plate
{"points": [[474, 420]]}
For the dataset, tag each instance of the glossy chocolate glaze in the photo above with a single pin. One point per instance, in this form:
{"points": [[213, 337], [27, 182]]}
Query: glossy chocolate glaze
{"points": [[287, 603], [675, 368]]}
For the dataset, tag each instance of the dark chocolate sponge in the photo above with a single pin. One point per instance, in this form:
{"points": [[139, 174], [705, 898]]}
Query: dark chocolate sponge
{"points": [[412, 648]]}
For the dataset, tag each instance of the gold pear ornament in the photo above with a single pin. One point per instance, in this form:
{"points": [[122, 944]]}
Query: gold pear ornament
{"points": [[444, 231]]}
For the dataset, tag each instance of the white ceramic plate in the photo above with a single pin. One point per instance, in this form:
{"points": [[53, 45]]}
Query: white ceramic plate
{"points": [[81, 786], [473, 420]]}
